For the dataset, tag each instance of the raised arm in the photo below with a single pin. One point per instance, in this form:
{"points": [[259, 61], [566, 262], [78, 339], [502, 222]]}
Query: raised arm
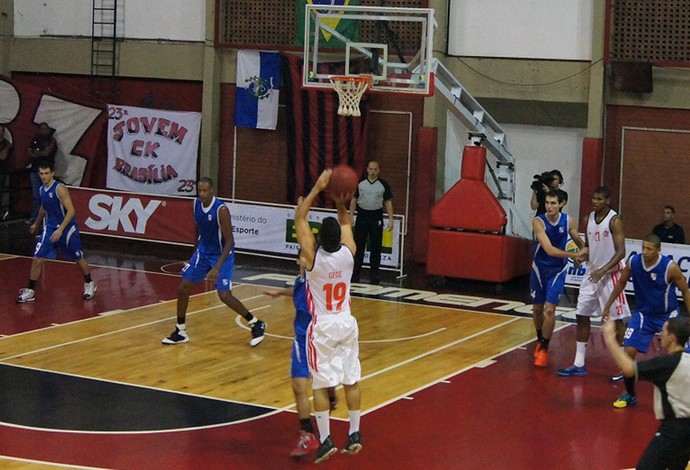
{"points": [[305, 237], [353, 205], [345, 221]]}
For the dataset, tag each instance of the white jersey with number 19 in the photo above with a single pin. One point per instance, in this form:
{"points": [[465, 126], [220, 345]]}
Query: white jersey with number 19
{"points": [[333, 334], [328, 282]]}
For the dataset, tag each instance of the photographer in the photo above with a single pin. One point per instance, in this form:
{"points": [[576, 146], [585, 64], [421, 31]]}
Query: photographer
{"points": [[542, 184], [42, 149]]}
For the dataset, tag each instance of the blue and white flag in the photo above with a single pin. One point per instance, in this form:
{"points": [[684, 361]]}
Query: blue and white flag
{"points": [[258, 81]]}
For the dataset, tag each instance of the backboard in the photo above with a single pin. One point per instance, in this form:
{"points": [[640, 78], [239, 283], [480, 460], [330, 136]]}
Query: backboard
{"points": [[392, 45]]}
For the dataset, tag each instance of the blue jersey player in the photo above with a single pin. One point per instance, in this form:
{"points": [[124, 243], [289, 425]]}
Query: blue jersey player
{"points": [[299, 369], [547, 278], [213, 259], [655, 279], [56, 216]]}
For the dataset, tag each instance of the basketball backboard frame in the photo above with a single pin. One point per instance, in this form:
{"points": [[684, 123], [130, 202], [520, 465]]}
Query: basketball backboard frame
{"points": [[391, 69]]}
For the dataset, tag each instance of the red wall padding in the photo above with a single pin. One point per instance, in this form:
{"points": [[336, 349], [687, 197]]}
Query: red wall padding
{"points": [[592, 162], [424, 190]]}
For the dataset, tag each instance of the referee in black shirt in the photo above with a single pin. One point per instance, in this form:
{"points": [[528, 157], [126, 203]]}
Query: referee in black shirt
{"points": [[372, 196], [670, 446]]}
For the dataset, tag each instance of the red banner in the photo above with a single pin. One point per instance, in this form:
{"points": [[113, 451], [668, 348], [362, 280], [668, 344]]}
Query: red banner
{"points": [[129, 215]]}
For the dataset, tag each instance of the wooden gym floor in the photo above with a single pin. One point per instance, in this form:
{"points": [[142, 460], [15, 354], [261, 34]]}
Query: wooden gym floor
{"points": [[448, 380]]}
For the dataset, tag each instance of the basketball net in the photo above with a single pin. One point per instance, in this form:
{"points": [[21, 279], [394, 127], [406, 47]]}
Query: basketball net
{"points": [[350, 90]]}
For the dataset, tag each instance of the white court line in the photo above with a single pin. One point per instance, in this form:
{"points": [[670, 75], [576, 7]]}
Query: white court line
{"points": [[405, 338], [165, 266], [88, 338], [238, 321], [439, 349], [392, 367], [406, 396], [457, 372], [105, 267], [96, 317], [112, 312], [485, 363], [157, 431]]}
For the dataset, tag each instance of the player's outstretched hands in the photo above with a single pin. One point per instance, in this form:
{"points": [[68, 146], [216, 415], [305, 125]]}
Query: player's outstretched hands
{"points": [[323, 180], [278, 292], [342, 198]]}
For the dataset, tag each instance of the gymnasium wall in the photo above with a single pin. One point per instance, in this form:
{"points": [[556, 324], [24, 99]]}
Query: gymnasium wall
{"points": [[539, 29], [255, 160], [177, 20], [646, 156], [532, 97]]}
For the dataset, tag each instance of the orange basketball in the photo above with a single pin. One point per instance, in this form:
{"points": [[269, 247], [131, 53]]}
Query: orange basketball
{"points": [[343, 181]]}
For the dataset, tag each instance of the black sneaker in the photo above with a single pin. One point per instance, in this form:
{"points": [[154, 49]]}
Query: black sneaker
{"points": [[177, 337], [326, 449], [617, 377], [258, 329], [353, 444]]}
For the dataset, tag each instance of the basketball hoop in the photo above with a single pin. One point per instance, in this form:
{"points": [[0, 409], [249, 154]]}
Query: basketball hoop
{"points": [[350, 89]]}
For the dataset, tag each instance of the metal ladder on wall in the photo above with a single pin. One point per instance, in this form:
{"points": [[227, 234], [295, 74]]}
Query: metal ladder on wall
{"points": [[103, 47]]}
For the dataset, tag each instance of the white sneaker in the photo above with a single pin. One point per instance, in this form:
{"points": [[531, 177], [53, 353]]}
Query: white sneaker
{"points": [[177, 337], [89, 290], [26, 295]]}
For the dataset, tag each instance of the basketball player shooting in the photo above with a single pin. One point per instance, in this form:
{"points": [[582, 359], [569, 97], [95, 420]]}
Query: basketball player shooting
{"points": [[333, 334]]}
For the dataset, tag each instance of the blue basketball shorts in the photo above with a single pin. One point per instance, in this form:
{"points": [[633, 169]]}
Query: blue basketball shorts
{"points": [[200, 264], [69, 244], [546, 283], [642, 328]]}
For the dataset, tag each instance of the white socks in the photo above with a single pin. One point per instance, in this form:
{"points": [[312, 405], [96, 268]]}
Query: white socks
{"points": [[580, 351], [323, 423], [354, 420]]}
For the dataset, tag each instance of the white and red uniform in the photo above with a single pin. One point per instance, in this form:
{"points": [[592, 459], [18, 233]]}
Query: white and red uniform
{"points": [[333, 334], [593, 296]]}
